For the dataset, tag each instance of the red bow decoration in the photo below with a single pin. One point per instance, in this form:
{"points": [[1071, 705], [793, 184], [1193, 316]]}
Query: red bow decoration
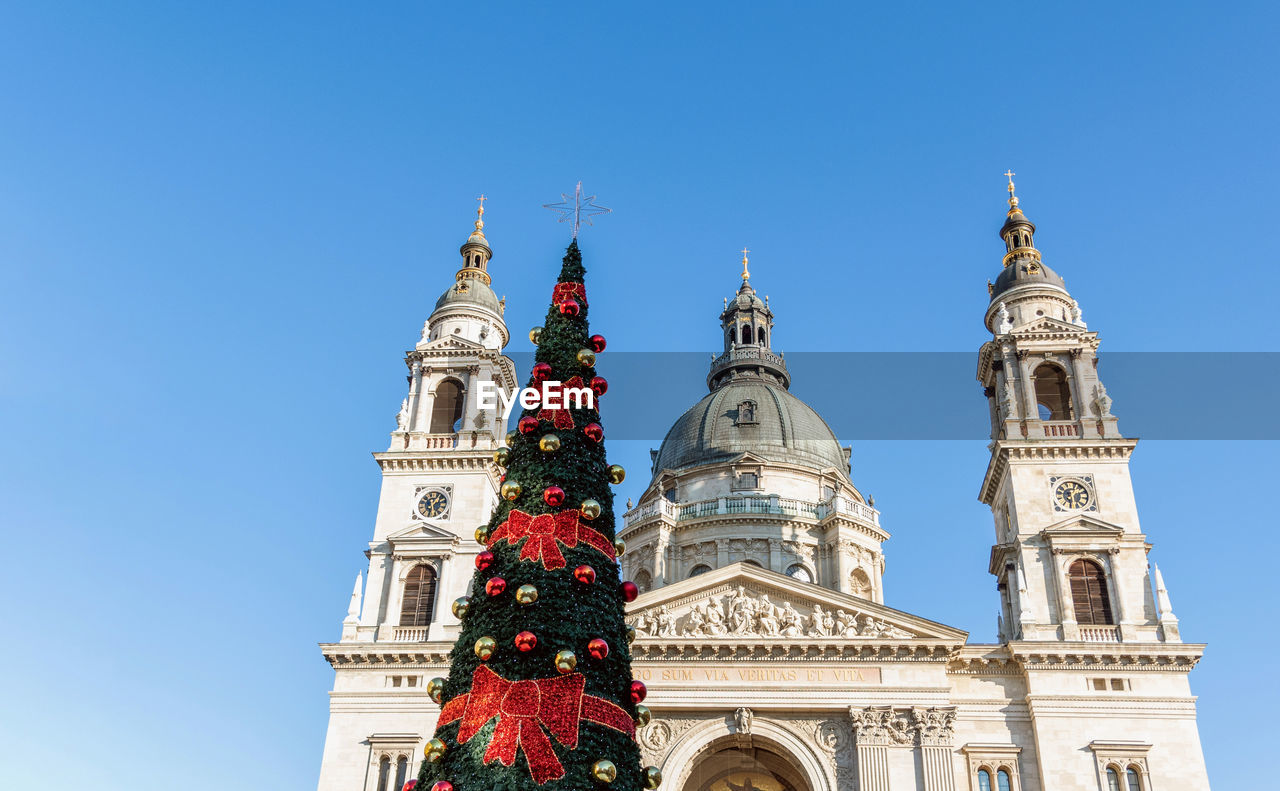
{"points": [[561, 417], [564, 291], [544, 533], [524, 709]]}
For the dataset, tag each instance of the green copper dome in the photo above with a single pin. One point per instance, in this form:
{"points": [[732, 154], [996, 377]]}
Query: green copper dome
{"points": [[471, 291], [780, 428]]}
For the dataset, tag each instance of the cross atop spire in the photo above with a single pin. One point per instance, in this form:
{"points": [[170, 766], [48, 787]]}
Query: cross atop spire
{"points": [[1013, 199], [480, 214], [745, 274]]}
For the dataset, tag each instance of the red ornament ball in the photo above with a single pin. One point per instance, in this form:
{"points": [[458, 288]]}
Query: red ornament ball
{"points": [[594, 431], [553, 496], [526, 641], [439, 785], [599, 386], [484, 560], [528, 424], [541, 372], [570, 307], [496, 586], [629, 591], [596, 342], [584, 574], [598, 648], [638, 691]]}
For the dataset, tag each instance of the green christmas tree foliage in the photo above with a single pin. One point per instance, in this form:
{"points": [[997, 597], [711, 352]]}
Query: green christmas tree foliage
{"points": [[534, 699]]}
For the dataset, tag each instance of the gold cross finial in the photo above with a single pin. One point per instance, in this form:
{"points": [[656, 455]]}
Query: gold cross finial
{"points": [[480, 212], [745, 274], [1013, 199]]}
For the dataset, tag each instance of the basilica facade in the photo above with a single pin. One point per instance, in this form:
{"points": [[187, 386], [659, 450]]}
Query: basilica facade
{"points": [[772, 658]]}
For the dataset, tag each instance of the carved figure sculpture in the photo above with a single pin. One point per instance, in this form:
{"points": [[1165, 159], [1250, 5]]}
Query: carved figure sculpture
{"points": [[789, 621], [666, 622], [402, 417]]}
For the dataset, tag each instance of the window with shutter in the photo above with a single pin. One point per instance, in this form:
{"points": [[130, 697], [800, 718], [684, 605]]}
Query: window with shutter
{"points": [[1089, 593], [419, 596]]}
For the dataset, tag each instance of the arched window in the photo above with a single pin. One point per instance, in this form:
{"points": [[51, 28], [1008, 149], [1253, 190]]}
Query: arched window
{"points": [[419, 596], [799, 572], [384, 773], [1002, 781], [860, 583], [402, 769], [1089, 593], [746, 333], [446, 407], [1113, 779], [701, 568], [760, 336], [984, 780], [643, 581], [1132, 779], [1053, 393], [733, 335]]}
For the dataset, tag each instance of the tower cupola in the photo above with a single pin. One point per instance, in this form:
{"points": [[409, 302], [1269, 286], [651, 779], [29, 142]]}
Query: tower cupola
{"points": [[747, 324], [475, 251]]}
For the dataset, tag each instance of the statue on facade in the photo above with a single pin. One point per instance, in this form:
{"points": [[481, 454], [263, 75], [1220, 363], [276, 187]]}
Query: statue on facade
{"points": [[693, 626], [817, 623], [402, 417], [715, 618], [848, 623], [742, 720], [1101, 400], [741, 612], [767, 615], [426, 332], [1077, 315], [1004, 322], [789, 621], [666, 622], [829, 623]]}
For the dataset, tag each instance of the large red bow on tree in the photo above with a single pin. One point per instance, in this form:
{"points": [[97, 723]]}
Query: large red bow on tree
{"points": [[558, 416], [564, 291], [524, 709], [544, 533]]}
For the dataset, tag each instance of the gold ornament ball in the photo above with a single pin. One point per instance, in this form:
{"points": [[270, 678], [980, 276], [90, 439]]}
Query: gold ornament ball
{"points": [[652, 777], [511, 490], [526, 594], [631, 634], [617, 474], [434, 688], [460, 607], [502, 456], [482, 534], [619, 546], [549, 443], [485, 647], [586, 357], [566, 661], [643, 715], [512, 436], [590, 509], [434, 751], [604, 771], [535, 335]]}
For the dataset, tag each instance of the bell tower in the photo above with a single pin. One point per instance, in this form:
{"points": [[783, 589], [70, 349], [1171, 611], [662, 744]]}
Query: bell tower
{"points": [[1070, 557]]}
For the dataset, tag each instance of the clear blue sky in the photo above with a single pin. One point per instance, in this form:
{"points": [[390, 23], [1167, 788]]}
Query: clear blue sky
{"points": [[221, 225]]}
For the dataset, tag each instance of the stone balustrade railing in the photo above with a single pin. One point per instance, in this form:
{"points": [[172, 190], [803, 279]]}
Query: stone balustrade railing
{"points": [[1100, 634], [751, 504]]}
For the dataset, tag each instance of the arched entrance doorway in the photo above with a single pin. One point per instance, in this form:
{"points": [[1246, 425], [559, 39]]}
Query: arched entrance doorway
{"points": [[732, 767]]}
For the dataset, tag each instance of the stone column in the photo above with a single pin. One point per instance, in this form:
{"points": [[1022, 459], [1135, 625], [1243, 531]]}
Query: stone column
{"points": [[375, 591], [415, 396], [660, 557], [874, 730], [1122, 612], [443, 603], [722, 552], [1066, 611], [775, 556], [841, 551], [1029, 407], [936, 734], [1082, 409]]}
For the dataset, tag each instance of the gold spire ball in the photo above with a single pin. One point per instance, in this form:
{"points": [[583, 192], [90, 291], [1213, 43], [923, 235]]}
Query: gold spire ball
{"points": [[745, 274], [480, 218]]}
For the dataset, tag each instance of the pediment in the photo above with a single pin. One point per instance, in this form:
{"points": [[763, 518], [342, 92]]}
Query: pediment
{"points": [[420, 531], [450, 342], [1082, 526], [1047, 325], [746, 602]]}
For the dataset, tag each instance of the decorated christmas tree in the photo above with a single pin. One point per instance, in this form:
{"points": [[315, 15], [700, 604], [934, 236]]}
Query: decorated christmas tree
{"points": [[539, 693]]}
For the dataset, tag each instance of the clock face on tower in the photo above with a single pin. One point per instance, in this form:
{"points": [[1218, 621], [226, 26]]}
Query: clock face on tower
{"points": [[1071, 496], [433, 504]]}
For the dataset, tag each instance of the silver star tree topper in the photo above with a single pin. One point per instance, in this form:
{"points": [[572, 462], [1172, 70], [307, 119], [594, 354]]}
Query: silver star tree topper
{"points": [[577, 208]]}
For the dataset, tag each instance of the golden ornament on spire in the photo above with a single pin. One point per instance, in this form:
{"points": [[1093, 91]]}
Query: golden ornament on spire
{"points": [[745, 274], [480, 215], [1013, 199]]}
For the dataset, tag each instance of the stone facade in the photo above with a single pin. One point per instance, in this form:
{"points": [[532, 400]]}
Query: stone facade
{"points": [[772, 659]]}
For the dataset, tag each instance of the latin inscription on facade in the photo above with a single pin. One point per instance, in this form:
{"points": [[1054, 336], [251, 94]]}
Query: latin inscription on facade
{"points": [[729, 675]]}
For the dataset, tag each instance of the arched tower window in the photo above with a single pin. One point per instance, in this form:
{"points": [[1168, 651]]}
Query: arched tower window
{"points": [[984, 780], [760, 336], [446, 407], [402, 769], [643, 581], [1053, 393], [797, 571], [746, 333], [1132, 779], [701, 568], [1113, 779], [419, 596], [1089, 593], [733, 335], [1002, 781], [384, 773]]}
